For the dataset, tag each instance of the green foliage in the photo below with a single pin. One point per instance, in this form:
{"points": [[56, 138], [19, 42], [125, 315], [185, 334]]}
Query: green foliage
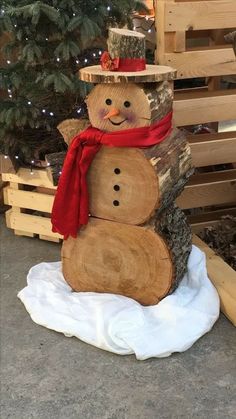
{"points": [[49, 42]]}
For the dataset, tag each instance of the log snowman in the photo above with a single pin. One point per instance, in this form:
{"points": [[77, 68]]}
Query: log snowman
{"points": [[126, 170]]}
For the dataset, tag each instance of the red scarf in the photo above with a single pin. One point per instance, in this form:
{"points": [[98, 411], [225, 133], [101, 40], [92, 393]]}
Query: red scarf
{"points": [[71, 205]]}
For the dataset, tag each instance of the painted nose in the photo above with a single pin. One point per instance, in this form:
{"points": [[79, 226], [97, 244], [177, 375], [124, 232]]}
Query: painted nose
{"points": [[112, 112]]}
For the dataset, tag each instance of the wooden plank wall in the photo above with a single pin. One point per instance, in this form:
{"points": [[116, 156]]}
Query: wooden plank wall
{"points": [[177, 21]]}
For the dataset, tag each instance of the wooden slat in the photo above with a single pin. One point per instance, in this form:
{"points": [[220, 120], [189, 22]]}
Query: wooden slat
{"points": [[197, 108], [30, 223], [209, 189], [27, 199], [202, 63], [212, 149], [223, 278], [209, 219], [48, 238], [200, 15], [24, 176]]}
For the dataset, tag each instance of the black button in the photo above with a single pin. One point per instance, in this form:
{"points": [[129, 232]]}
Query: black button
{"points": [[108, 101], [116, 187], [116, 203], [117, 171]]}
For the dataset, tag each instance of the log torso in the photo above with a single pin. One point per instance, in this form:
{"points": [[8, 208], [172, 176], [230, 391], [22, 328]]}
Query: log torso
{"points": [[129, 184]]}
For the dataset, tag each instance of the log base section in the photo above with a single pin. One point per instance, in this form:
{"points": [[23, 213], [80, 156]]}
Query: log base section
{"points": [[122, 259]]}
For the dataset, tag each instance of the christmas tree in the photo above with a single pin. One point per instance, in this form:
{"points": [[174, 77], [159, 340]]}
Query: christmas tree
{"points": [[45, 44]]}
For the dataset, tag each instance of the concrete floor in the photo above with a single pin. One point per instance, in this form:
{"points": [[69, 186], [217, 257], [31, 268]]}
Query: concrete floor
{"points": [[45, 375]]}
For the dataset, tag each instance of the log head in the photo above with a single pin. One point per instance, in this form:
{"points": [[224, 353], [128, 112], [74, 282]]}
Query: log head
{"points": [[114, 107], [119, 259]]}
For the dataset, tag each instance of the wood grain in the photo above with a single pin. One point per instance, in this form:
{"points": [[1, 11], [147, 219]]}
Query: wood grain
{"points": [[128, 184], [28, 199], [202, 62], [209, 189], [144, 263], [147, 105], [120, 259], [30, 223], [153, 73], [26, 177], [212, 149], [199, 15], [223, 278], [197, 108]]}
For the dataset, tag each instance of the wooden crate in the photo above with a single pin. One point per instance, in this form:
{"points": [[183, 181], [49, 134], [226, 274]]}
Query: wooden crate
{"points": [[30, 195], [177, 21], [190, 37]]}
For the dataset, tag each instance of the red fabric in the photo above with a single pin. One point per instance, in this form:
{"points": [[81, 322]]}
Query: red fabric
{"points": [[71, 205], [121, 64], [132, 64], [107, 63]]}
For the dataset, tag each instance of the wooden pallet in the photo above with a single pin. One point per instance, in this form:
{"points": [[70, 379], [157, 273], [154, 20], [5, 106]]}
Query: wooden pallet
{"points": [[190, 37], [178, 21], [30, 196]]}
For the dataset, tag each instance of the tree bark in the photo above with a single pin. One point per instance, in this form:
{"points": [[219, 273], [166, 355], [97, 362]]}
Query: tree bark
{"points": [[123, 43]]}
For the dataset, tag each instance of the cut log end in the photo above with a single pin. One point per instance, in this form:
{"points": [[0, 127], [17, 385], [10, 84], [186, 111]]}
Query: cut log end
{"points": [[120, 259], [142, 263]]}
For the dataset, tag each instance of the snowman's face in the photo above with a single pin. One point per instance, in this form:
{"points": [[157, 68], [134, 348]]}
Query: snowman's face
{"points": [[114, 107]]}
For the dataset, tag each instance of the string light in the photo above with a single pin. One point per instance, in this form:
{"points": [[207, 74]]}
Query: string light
{"points": [[44, 110], [8, 62], [29, 103], [5, 157], [32, 161], [16, 157], [94, 54], [79, 110], [73, 14], [100, 53], [58, 59], [77, 61], [51, 113], [85, 60], [108, 8]]}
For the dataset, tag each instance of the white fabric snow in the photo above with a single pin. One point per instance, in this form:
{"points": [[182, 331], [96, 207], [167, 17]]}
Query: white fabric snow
{"points": [[120, 324]]}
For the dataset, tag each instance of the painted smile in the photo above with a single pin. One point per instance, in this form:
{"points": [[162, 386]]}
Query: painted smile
{"points": [[116, 123]]}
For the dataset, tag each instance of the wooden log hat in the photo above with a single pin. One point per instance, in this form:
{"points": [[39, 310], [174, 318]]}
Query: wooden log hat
{"points": [[125, 62]]}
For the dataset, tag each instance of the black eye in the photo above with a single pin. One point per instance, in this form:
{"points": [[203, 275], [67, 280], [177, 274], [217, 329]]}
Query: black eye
{"points": [[127, 104], [108, 101]]}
